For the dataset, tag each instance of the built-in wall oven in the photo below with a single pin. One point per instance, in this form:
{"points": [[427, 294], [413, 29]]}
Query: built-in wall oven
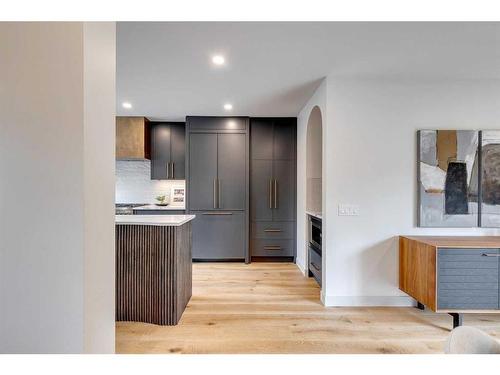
{"points": [[315, 232], [315, 251]]}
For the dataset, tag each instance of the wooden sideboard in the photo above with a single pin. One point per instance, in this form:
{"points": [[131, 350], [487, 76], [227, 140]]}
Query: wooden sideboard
{"points": [[453, 275]]}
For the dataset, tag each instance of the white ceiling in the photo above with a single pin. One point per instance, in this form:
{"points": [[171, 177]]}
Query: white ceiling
{"points": [[165, 69]]}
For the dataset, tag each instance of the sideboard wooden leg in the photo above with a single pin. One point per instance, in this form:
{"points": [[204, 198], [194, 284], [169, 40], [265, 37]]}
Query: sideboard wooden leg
{"points": [[457, 319], [420, 306]]}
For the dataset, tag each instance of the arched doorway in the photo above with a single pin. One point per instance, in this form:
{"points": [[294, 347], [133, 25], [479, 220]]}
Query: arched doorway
{"points": [[314, 161], [314, 193]]}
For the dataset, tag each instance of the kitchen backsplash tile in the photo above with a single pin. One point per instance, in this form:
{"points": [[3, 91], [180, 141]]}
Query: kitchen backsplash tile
{"points": [[134, 184]]}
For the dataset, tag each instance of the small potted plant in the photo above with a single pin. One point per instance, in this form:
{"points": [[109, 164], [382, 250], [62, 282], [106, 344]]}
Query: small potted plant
{"points": [[161, 200]]}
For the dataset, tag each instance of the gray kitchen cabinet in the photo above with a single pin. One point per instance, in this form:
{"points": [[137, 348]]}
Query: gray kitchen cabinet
{"points": [[272, 186], [284, 190], [267, 230], [160, 151], [178, 150], [202, 185], [218, 124], [261, 139], [284, 139], [231, 171], [219, 235], [217, 171], [218, 186], [272, 248], [167, 151], [261, 188]]}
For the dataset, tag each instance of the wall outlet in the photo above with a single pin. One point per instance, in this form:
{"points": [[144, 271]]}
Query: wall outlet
{"points": [[348, 210]]}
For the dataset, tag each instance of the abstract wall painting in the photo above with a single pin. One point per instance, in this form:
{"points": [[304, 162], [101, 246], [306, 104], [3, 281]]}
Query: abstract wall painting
{"points": [[448, 178], [490, 179]]}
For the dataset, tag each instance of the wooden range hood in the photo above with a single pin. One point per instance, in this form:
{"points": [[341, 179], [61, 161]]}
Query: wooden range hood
{"points": [[133, 138]]}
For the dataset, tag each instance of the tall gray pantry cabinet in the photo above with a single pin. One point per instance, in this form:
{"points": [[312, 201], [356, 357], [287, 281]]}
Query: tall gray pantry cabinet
{"points": [[273, 188], [217, 170]]}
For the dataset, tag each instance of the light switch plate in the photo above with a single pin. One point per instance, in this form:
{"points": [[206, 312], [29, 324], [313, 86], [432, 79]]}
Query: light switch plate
{"points": [[348, 210]]}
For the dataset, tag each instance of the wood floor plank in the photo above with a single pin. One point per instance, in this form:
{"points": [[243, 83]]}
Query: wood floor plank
{"points": [[273, 308]]}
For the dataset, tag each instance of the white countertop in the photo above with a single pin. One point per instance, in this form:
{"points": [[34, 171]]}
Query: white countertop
{"points": [[161, 220], [160, 208], [317, 215]]}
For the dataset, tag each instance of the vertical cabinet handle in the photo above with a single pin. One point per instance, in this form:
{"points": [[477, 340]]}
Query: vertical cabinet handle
{"points": [[172, 176], [215, 193], [168, 169], [275, 193], [270, 193], [218, 194]]}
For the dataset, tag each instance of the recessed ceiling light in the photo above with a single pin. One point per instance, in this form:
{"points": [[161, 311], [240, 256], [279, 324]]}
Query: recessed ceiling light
{"points": [[126, 105], [228, 106], [218, 60]]}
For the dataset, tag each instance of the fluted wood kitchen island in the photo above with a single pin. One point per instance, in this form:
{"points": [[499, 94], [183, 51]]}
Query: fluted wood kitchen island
{"points": [[153, 267]]}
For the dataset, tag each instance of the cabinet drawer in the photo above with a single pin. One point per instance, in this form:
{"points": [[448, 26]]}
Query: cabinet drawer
{"points": [[315, 265], [269, 248], [282, 230], [468, 279], [217, 123]]}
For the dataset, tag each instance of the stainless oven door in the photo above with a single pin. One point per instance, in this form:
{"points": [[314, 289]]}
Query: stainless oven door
{"points": [[315, 232]]}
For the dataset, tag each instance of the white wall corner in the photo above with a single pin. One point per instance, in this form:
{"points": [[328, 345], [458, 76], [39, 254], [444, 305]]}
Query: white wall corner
{"points": [[317, 99], [302, 269], [99, 182], [323, 297]]}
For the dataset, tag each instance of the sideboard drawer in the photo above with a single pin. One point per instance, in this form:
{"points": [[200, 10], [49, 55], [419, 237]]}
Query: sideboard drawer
{"points": [[468, 279]]}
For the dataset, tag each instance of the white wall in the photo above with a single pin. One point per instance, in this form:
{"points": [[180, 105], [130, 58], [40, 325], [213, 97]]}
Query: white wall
{"points": [[99, 171], [371, 161], [48, 135], [318, 99], [134, 184]]}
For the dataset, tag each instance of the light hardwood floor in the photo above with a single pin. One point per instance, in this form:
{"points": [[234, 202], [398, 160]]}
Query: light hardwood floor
{"points": [[273, 308]]}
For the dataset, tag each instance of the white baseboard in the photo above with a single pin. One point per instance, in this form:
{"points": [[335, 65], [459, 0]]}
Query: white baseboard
{"points": [[302, 269], [339, 301]]}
